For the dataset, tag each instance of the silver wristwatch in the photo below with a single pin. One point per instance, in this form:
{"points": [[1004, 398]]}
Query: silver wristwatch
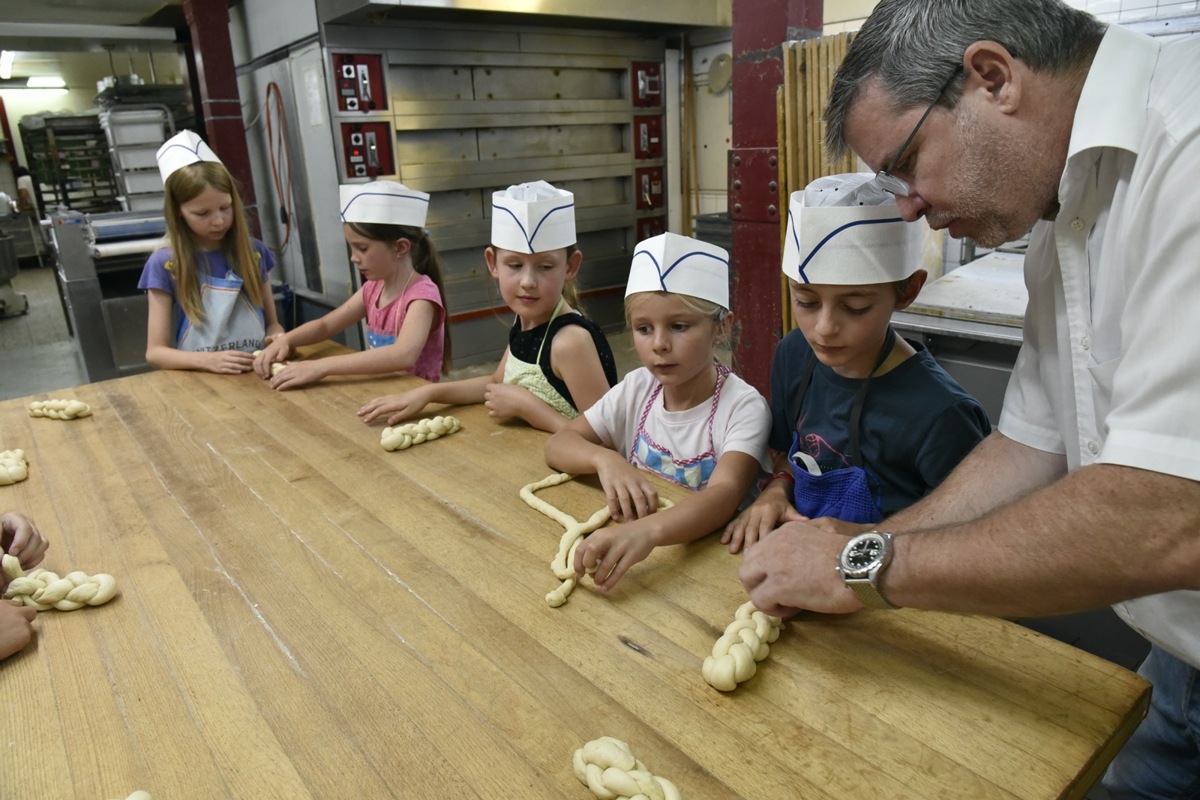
{"points": [[861, 564]]}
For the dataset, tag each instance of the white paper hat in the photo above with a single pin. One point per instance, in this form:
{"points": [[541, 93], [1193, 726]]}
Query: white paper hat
{"points": [[846, 230], [385, 202], [533, 218], [680, 265], [180, 150]]}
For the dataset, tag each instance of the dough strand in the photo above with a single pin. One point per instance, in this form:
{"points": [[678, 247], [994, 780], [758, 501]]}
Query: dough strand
{"points": [[13, 467], [563, 563], [42, 589], [404, 436], [59, 409], [607, 767], [736, 654]]}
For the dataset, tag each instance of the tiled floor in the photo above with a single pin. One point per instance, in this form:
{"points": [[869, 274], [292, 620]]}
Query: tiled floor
{"points": [[37, 354]]}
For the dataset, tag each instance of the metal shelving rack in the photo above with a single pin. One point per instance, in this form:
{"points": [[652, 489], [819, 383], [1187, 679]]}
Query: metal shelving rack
{"points": [[69, 157]]}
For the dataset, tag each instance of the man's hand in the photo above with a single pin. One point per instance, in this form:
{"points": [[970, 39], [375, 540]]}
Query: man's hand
{"points": [[794, 568]]}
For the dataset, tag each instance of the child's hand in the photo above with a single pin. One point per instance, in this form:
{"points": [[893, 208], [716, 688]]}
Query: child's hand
{"points": [[277, 349], [505, 401], [229, 362], [400, 406], [630, 495], [609, 552], [297, 374], [16, 627], [770, 509], [20, 537]]}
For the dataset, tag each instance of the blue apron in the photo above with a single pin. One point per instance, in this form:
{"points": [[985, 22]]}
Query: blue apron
{"points": [[850, 493]]}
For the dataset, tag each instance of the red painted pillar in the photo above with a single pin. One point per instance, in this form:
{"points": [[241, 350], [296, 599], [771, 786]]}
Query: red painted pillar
{"points": [[220, 103], [756, 209]]}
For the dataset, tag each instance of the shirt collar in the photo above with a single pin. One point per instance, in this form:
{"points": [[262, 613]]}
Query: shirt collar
{"points": [[1111, 107]]}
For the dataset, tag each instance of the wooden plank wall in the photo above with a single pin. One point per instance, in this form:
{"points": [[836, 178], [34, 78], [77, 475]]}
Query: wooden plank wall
{"points": [[808, 69]]}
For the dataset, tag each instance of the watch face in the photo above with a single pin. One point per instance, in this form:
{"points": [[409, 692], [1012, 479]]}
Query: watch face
{"points": [[862, 554]]}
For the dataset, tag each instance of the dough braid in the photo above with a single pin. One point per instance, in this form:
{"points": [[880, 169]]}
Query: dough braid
{"points": [[607, 767], [735, 655], [564, 561], [43, 590], [59, 409], [13, 467], [404, 436]]}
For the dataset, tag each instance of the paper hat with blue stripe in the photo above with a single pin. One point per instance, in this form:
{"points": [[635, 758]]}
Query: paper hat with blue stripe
{"points": [[384, 203], [680, 265], [180, 150], [533, 218], [846, 230]]}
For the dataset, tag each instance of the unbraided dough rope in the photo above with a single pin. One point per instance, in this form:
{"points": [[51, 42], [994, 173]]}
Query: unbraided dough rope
{"points": [[404, 436], [59, 409], [735, 655], [563, 563], [43, 590], [13, 467], [607, 767], [564, 560]]}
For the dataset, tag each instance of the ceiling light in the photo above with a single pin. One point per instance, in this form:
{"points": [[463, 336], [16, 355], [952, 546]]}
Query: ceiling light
{"points": [[46, 82], [6, 62]]}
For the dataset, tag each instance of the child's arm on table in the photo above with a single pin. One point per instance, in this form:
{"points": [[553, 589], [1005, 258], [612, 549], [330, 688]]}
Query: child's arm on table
{"points": [[609, 552], [578, 450], [161, 353], [311, 332], [400, 356], [770, 509], [403, 405]]}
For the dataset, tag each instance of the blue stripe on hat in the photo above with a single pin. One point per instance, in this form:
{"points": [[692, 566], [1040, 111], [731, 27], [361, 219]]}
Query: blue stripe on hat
{"points": [[686, 256], [529, 238], [382, 194], [830, 235]]}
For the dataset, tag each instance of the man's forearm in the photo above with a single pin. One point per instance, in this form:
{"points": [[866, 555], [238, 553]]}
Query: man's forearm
{"points": [[996, 472], [1103, 534]]}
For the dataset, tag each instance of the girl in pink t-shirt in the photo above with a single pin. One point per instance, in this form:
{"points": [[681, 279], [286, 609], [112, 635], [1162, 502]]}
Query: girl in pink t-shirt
{"points": [[401, 298]]}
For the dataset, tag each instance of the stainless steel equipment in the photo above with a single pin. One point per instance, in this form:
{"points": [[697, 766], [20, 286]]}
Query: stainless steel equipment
{"points": [[970, 320], [99, 258], [11, 302]]}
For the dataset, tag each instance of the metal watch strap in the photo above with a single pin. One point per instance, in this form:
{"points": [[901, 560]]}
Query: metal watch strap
{"points": [[868, 593]]}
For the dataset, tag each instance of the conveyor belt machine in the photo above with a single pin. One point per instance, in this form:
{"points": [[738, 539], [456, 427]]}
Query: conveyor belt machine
{"points": [[99, 258]]}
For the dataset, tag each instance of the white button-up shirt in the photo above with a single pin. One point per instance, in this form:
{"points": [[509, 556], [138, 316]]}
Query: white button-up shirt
{"points": [[1110, 367]]}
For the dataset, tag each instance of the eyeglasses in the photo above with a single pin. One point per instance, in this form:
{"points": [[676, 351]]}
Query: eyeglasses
{"points": [[886, 180]]}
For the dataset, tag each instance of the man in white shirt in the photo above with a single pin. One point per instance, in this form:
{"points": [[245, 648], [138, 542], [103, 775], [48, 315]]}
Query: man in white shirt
{"points": [[1028, 114]]}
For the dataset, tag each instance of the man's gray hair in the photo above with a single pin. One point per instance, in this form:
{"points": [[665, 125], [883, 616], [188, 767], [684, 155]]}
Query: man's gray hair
{"points": [[913, 46]]}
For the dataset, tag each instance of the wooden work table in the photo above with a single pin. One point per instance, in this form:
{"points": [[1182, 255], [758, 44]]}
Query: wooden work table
{"points": [[303, 614]]}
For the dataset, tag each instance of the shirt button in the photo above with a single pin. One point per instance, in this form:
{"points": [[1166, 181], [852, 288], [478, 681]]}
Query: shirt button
{"points": [[1085, 343], [1093, 448], [1077, 224]]}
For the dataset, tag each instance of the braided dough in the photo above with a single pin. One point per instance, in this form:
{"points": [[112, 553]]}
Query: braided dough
{"points": [[607, 767], [735, 655], [43, 590], [59, 409], [404, 436], [564, 560], [13, 467]]}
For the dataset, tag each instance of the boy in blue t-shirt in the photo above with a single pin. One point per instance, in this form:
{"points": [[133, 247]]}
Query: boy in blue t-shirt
{"points": [[864, 423]]}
